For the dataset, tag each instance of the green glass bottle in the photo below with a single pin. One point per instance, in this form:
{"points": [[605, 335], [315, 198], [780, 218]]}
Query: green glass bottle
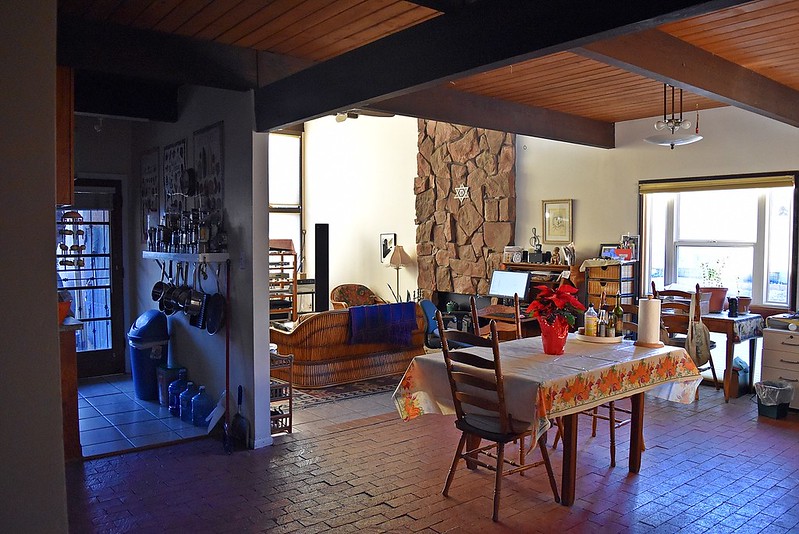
{"points": [[618, 313]]}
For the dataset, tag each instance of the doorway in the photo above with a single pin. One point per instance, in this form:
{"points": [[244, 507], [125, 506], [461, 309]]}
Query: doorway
{"points": [[89, 267]]}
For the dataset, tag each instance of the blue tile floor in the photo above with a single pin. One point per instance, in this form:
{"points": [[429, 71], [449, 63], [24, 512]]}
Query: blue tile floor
{"points": [[112, 419]]}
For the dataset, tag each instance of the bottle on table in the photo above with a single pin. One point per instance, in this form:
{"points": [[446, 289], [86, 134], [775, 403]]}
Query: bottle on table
{"points": [[591, 319], [185, 401], [602, 324], [619, 313], [611, 329]]}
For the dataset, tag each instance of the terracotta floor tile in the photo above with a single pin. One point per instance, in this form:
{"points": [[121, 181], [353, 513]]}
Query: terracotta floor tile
{"points": [[705, 470]]}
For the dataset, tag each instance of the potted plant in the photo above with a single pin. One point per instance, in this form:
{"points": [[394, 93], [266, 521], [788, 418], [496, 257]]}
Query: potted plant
{"points": [[712, 283], [556, 310]]}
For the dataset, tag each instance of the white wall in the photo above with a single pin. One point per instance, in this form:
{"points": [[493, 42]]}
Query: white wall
{"points": [[32, 483], [202, 354], [604, 183], [359, 178]]}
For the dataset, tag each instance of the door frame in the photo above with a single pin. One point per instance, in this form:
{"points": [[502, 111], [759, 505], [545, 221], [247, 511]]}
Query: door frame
{"points": [[117, 362]]}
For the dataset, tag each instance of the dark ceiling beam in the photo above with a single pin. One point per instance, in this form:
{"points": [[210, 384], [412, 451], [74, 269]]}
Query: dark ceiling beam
{"points": [[449, 105], [156, 56], [665, 58], [445, 6], [480, 37]]}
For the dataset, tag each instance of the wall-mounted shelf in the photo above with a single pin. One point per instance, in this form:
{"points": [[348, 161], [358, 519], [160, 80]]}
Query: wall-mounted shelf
{"points": [[207, 257]]}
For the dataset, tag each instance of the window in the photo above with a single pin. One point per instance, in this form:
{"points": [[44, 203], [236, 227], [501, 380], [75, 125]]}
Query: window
{"points": [[285, 189], [738, 229]]}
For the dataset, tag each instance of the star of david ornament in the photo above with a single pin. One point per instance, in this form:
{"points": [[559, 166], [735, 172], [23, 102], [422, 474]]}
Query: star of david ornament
{"points": [[461, 193]]}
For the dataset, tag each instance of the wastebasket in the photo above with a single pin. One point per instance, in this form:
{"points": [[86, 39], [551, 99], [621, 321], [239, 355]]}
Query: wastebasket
{"points": [[773, 398], [148, 339]]}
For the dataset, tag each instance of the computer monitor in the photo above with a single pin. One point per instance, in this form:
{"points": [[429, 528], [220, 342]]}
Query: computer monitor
{"points": [[505, 284]]}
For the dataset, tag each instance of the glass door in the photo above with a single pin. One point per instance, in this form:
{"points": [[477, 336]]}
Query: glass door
{"points": [[88, 252]]}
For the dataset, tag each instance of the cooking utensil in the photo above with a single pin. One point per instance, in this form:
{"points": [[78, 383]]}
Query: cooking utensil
{"points": [[198, 320], [215, 316], [160, 287], [240, 426]]}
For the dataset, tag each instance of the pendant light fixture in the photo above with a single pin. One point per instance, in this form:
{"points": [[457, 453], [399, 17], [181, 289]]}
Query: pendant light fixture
{"points": [[674, 124]]}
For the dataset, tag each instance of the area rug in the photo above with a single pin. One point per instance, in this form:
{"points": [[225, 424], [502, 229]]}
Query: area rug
{"points": [[305, 398]]}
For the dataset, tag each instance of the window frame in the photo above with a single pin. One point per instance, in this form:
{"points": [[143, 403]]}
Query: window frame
{"points": [[293, 209], [677, 185]]}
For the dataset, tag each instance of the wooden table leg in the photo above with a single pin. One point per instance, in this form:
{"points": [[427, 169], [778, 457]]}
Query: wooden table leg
{"points": [[728, 364], [636, 432], [472, 442], [569, 473]]}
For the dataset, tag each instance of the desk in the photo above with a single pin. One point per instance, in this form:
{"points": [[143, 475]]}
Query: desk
{"points": [[529, 324], [540, 387], [747, 326]]}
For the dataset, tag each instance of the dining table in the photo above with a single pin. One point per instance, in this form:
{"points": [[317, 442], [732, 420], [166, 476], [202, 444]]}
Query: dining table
{"points": [[737, 329], [540, 387]]}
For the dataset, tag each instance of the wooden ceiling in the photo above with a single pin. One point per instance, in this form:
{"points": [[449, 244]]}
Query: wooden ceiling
{"points": [[561, 69]]}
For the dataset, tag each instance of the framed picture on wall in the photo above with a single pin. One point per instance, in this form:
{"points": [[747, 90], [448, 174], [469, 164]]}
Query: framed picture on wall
{"points": [[557, 218], [387, 242]]}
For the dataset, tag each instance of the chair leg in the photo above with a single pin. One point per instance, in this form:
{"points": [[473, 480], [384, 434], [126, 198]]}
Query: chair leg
{"points": [[594, 413], [713, 372], [458, 454], [612, 419], [521, 454], [558, 434], [498, 481], [545, 455]]}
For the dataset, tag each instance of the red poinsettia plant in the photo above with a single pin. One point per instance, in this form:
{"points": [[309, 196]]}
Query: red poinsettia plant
{"points": [[556, 306]]}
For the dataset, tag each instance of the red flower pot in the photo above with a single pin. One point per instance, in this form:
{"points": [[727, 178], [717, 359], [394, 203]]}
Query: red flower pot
{"points": [[553, 336]]}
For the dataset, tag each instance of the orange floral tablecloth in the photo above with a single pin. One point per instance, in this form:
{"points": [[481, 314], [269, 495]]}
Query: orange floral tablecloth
{"points": [[539, 387]]}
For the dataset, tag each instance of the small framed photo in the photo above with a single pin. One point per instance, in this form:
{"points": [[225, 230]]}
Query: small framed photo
{"points": [[632, 242], [557, 219], [387, 242], [608, 251]]}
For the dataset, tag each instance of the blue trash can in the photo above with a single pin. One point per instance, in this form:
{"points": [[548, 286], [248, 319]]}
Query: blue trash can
{"points": [[149, 341]]}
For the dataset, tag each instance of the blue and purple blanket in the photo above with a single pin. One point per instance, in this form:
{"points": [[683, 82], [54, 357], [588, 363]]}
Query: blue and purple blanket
{"points": [[383, 323]]}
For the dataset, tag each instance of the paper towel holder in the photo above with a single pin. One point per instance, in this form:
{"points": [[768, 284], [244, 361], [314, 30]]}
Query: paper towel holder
{"points": [[650, 345]]}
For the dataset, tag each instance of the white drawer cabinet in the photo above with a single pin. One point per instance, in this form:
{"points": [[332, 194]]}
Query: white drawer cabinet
{"points": [[781, 358]]}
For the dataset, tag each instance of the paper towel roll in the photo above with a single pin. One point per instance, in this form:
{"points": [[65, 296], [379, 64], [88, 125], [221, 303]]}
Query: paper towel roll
{"points": [[649, 321]]}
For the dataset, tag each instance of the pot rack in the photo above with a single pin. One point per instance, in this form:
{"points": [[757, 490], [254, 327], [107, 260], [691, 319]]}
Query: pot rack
{"points": [[209, 257]]}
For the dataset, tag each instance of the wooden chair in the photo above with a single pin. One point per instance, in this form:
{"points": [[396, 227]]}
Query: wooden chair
{"points": [[346, 295], [478, 392], [675, 315], [631, 325], [510, 329]]}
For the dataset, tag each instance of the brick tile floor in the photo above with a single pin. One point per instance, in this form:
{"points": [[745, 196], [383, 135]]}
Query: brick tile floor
{"points": [[354, 466]]}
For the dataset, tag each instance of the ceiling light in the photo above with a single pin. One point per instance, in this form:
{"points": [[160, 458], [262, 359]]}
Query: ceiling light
{"points": [[342, 116], [674, 124]]}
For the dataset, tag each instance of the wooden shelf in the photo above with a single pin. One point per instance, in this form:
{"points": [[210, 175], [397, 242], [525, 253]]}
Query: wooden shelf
{"points": [[281, 393], [283, 284], [207, 257]]}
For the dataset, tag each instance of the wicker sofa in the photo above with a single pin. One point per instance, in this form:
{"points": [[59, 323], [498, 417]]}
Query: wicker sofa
{"points": [[324, 356]]}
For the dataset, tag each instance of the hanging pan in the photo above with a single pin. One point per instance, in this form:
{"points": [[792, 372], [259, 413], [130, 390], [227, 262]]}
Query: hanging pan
{"points": [[215, 310]]}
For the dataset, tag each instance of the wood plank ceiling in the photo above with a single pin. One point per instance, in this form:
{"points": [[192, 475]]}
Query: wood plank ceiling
{"points": [[602, 76]]}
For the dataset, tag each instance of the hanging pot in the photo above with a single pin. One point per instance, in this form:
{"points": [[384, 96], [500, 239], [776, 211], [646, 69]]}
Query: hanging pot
{"points": [[160, 287]]}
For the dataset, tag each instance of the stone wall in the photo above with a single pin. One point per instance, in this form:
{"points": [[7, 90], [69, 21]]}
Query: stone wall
{"points": [[459, 242]]}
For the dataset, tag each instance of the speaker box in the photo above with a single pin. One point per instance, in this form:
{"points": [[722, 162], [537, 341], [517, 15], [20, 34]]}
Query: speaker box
{"points": [[322, 267]]}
